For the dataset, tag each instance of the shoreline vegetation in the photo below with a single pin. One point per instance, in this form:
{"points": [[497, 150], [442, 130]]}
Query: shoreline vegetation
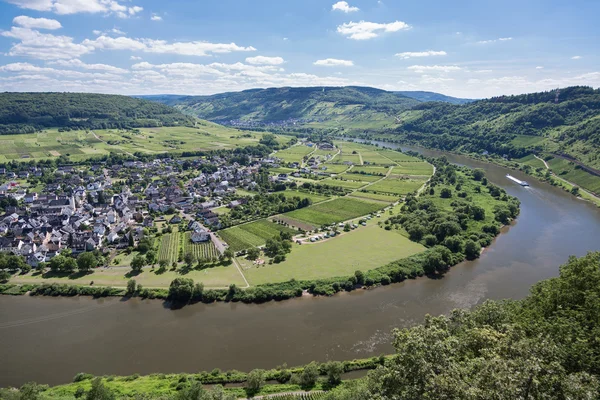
{"points": [[543, 346], [456, 214]]}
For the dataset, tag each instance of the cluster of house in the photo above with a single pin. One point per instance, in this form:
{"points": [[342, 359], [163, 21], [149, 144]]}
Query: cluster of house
{"points": [[81, 209]]}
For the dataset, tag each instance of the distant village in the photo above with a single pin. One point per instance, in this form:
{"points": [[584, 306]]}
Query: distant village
{"points": [[88, 207]]}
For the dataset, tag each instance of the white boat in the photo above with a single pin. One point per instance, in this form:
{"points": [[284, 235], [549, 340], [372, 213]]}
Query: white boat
{"points": [[520, 182]]}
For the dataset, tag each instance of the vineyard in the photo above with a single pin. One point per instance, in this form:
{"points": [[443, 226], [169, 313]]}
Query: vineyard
{"points": [[169, 247], [201, 251], [300, 396], [254, 234]]}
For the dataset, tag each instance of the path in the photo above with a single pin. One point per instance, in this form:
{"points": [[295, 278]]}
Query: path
{"points": [[241, 273], [97, 137], [360, 158], [542, 160]]}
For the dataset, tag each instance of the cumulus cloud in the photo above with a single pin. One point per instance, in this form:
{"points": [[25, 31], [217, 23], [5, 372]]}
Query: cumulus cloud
{"points": [[36, 23], [44, 46], [344, 7], [428, 53], [162, 46], [65, 7], [135, 58], [74, 63], [436, 68], [539, 67], [364, 30], [576, 58], [262, 60], [503, 39], [156, 17], [333, 62]]}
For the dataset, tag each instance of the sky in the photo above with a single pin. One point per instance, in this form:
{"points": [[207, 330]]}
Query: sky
{"points": [[462, 48]]}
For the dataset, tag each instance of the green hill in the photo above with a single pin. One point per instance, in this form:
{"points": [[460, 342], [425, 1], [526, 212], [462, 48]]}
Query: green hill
{"points": [[30, 112], [314, 104], [563, 127], [433, 96]]}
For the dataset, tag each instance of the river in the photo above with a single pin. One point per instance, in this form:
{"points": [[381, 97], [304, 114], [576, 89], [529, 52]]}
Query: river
{"points": [[49, 340]]}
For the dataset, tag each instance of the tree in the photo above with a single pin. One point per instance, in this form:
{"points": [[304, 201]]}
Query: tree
{"points": [[478, 213], [255, 381], [130, 241], [138, 263], [31, 391], [360, 277], [131, 285], [253, 254], [228, 253], [4, 276], [334, 371], [309, 375], [478, 174], [151, 257], [86, 261], [69, 265], [181, 290], [99, 391], [446, 193], [162, 265], [472, 250], [189, 259]]}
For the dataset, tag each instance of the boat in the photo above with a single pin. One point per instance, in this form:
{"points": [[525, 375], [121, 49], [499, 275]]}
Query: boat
{"points": [[520, 182]]}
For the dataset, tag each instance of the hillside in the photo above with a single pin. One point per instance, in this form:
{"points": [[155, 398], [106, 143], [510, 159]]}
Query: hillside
{"points": [[310, 105], [433, 96], [31, 112]]}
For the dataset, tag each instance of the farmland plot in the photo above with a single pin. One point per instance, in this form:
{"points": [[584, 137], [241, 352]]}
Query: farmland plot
{"points": [[337, 210], [201, 251], [169, 247], [254, 234]]}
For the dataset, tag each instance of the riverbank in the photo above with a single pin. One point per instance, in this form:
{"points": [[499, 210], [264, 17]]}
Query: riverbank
{"points": [[525, 167], [469, 206]]}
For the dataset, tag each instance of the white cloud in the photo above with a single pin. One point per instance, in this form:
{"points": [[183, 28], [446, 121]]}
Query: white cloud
{"points": [[117, 31], [576, 58], [97, 32], [483, 71], [156, 17], [27, 68], [97, 67], [364, 30], [36, 23], [44, 46], [163, 47], [333, 62], [65, 7], [428, 53], [437, 68], [135, 58], [539, 67], [503, 39], [344, 7], [262, 60]]}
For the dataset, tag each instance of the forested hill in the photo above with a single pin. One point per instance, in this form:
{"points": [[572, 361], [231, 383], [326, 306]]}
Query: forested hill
{"points": [[433, 96], [30, 112], [564, 122], [308, 103]]}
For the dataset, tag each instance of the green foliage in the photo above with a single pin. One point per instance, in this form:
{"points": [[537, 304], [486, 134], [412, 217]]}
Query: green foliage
{"points": [[30, 112], [181, 290]]}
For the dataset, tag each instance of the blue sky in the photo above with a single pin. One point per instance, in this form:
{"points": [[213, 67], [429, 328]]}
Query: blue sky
{"points": [[462, 48]]}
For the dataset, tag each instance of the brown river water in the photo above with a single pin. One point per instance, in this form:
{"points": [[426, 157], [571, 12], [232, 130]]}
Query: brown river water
{"points": [[49, 340]]}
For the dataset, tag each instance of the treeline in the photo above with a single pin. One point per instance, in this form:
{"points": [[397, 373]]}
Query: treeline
{"points": [[31, 112]]}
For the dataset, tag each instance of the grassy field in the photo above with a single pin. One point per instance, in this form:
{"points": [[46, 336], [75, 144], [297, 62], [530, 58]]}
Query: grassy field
{"points": [[294, 153], [335, 168], [375, 157], [397, 156], [375, 196], [532, 161], [337, 210], [570, 172], [413, 168], [80, 145], [254, 234], [363, 249], [217, 277], [342, 181], [398, 186], [315, 198]]}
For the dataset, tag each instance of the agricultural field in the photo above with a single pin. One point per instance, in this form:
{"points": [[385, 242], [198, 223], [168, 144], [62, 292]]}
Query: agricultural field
{"points": [[375, 157], [168, 249], [532, 162], [360, 177], [335, 168], [80, 145], [344, 183], [253, 234], [567, 170], [397, 156], [363, 249], [413, 168], [371, 170], [201, 251], [294, 153], [315, 198], [347, 158], [398, 186], [375, 196], [338, 210]]}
